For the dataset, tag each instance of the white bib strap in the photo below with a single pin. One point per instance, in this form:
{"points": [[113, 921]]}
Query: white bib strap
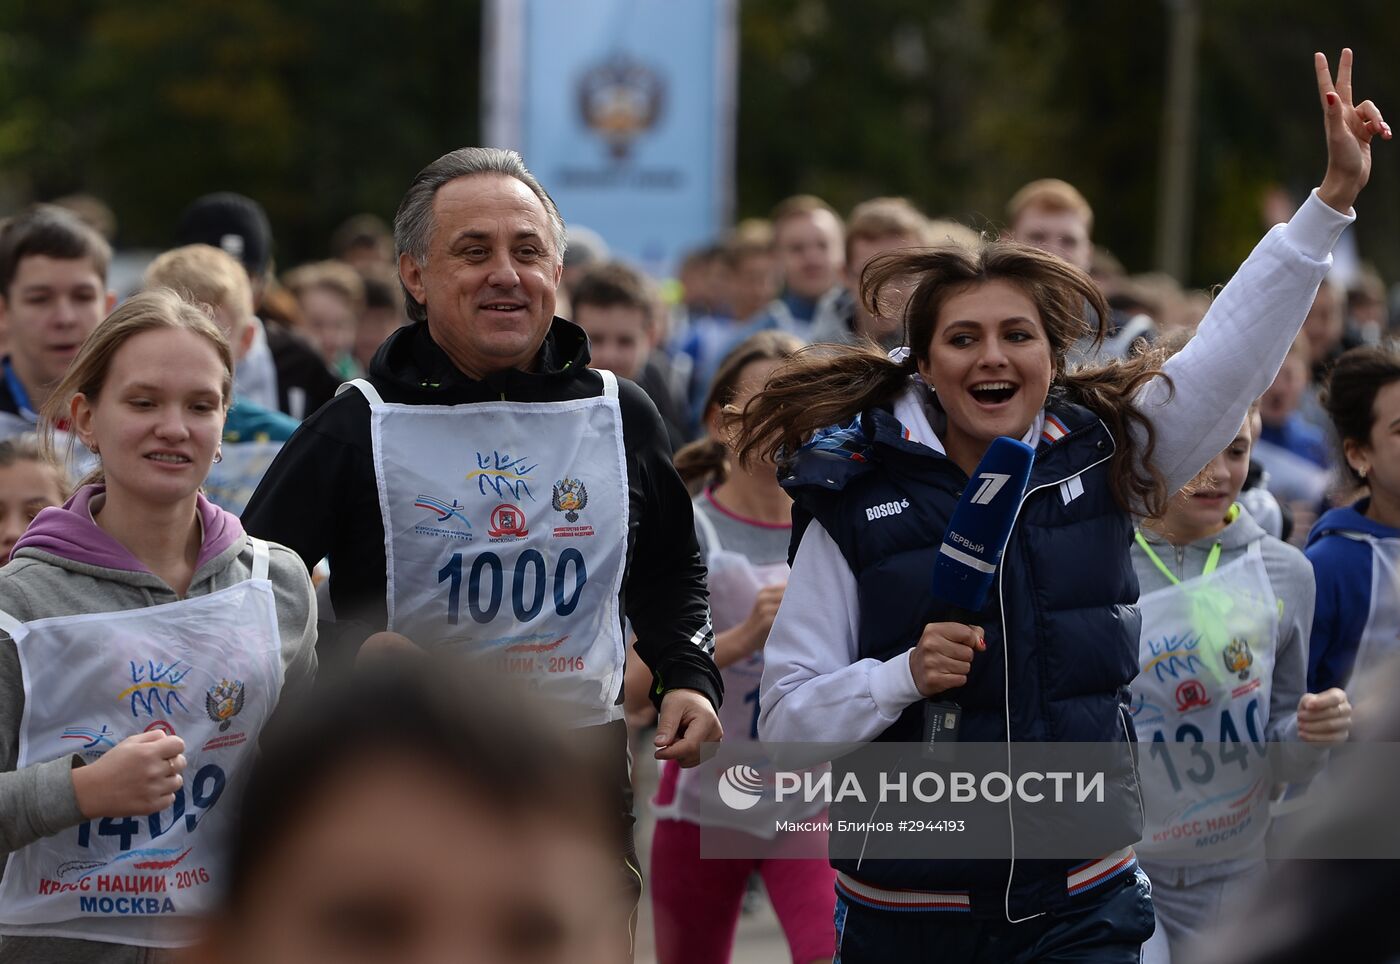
{"points": [[9, 624], [1358, 536], [366, 389], [261, 555], [609, 383]]}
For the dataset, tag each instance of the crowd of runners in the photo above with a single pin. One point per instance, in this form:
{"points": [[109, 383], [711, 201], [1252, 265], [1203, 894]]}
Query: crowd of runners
{"points": [[339, 597]]}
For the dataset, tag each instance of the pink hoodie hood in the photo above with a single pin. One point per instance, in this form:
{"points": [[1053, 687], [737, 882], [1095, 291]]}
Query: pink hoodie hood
{"points": [[71, 533]]}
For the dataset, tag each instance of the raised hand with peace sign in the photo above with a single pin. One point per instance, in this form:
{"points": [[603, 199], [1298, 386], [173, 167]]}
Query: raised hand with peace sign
{"points": [[1350, 128]]}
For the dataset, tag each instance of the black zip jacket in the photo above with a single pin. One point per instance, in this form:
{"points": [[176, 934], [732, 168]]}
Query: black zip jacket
{"points": [[319, 498]]}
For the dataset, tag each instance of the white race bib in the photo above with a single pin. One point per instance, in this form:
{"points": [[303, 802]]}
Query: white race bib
{"points": [[209, 670], [506, 537], [1200, 706], [1380, 640]]}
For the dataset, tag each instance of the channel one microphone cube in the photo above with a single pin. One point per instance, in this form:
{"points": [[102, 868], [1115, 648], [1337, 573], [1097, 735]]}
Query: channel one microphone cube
{"points": [[976, 536]]}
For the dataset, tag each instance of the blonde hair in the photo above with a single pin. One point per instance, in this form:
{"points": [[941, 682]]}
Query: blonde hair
{"points": [[947, 231], [1049, 194], [885, 217], [153, 310], [205, 275], [750, 234], [336, 277], [801, 205]]}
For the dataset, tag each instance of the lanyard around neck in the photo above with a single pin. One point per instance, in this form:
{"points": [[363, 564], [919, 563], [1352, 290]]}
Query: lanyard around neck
{"points": [[1212, 560]]}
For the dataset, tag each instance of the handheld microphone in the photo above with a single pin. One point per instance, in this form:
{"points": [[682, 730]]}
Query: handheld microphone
{"points": [[967, 562], [981, 525]]}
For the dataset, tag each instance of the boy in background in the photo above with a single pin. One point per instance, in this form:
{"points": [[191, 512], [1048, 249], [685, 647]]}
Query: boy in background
{"points": [[53, 292], [253, 434], [615, 305]]}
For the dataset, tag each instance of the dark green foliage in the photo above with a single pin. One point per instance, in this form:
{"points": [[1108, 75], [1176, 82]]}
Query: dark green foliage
{"points": [[322, 109]]}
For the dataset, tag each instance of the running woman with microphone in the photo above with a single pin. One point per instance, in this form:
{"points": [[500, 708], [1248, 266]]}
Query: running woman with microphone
{"points": [[144, 641], [858, 645]]}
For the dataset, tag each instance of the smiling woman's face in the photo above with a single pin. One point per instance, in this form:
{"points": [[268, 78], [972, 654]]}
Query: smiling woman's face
{"points": [[159, 417], [989, 363]]}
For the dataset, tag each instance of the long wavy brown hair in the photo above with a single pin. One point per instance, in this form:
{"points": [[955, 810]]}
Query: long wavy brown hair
{"points": [[824, 386]]}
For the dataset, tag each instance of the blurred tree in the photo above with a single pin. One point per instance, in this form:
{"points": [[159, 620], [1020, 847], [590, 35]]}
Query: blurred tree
{"points": [[315, 109], [957, 104], [321, 110]]}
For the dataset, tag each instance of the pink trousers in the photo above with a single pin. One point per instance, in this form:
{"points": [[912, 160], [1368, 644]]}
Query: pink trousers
{"points": [[696, 902]]}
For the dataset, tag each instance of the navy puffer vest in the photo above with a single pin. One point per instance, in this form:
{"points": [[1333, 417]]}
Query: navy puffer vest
{"points": [[1066, 604]]}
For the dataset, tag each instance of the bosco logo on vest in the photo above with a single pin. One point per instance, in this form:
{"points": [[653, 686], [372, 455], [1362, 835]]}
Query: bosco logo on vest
{"points": [[885, 510]]}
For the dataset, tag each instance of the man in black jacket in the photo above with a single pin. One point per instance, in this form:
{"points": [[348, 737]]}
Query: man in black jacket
{"points": [[529, 502]]}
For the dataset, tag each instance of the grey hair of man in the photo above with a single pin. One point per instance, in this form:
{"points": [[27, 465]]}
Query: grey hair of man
{"points": [[413, 224]]}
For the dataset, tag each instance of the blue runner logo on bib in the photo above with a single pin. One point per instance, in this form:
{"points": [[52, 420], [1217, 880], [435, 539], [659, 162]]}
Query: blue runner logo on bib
{"points": [[503, 476], [1173, 655], [155, 686]]}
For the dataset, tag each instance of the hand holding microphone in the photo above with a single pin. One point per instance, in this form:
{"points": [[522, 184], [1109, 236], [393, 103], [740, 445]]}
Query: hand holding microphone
{"points": [[943, 656]]}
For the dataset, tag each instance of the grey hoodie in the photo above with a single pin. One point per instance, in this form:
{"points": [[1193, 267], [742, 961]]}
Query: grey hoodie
{"points": [[1291, 577], [39, 800]]}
